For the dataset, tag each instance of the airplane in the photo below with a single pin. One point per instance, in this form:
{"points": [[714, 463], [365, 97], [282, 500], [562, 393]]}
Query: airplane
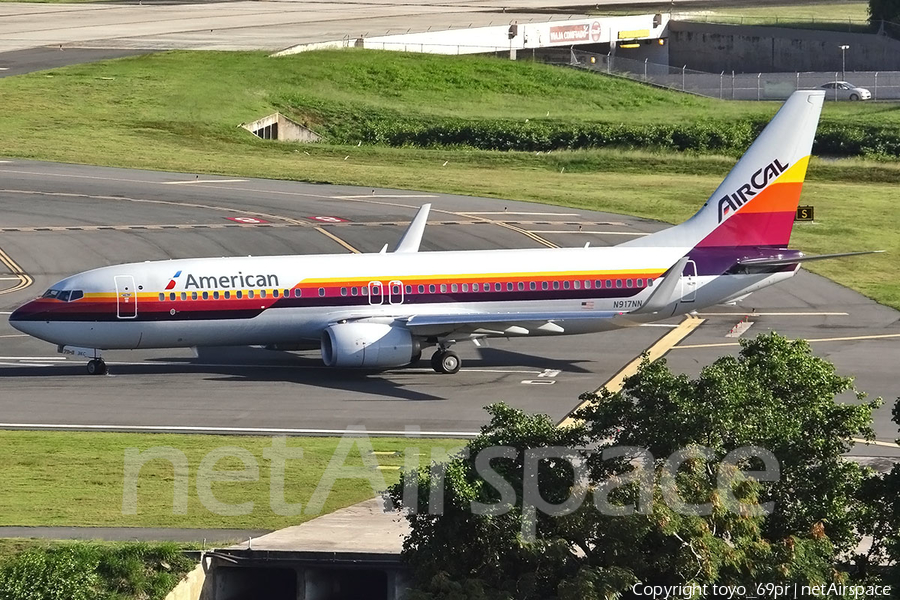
{"points": [[381, 310]]}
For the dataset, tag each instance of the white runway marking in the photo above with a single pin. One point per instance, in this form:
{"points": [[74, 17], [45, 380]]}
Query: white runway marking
{"points": [[12, 335], [505, 212], [774, 314], [234, 430], [384, 196], [636, 234], [5, 312], [9, 279], [204, 181], [40, 358]]}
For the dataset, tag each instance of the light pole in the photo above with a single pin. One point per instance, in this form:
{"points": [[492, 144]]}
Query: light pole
{"points": [[843, 48]]}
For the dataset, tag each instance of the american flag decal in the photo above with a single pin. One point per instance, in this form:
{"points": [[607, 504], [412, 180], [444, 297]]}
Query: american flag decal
{"points": [[587, 305]]}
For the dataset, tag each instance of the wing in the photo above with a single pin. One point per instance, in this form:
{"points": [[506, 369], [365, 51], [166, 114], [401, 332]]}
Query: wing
{"points": [[507, 324]]}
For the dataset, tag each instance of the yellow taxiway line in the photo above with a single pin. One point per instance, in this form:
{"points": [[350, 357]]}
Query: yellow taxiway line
{"points": [[24, 278], [853, 338], [338, 240], [657, 350]]}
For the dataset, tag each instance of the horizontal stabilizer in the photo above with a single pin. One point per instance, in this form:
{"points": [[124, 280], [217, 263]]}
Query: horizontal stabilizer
{"points": [[413, 236], [775, 262]]}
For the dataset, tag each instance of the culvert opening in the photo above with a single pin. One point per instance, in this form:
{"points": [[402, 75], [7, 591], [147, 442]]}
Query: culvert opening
{"points": [[278, 127]]}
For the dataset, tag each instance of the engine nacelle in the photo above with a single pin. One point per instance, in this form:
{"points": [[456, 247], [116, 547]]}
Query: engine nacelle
{"points": [[378, 345]]}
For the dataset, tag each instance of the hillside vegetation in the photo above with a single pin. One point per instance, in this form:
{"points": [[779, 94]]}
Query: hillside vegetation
{"points": [[447, 123]]}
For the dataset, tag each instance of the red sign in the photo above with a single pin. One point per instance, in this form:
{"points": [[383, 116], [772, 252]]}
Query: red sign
{"points": [[595, 31], [247, 220], [570, 33], [327, 219]]}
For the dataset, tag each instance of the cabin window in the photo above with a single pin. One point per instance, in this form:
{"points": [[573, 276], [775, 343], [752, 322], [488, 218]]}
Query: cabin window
{"points": [[239, 294], [215, 295], [162, 297], [343, 291], [443, 288], [565, 285], [555, 285], [183, 295], [498, 287], [576, 284], [206, 295], [609, 283], [193, 295], [532, 286], [274, 293], [321, 292], [618, 283], [649, 282], [465, 287], [431, 288], [354, 291], [227, 295], [287, 293], [509, 286], [475, 287], [297, 292], [545, 285], [521, 285], [454, 288], [409, 289], [598, 284], [363, 291], [639, 283], [172, 296], [587, 284], [262, 293]]}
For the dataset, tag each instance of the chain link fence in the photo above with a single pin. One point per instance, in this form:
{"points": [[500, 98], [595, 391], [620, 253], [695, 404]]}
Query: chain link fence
{"points": [[884, 85]]}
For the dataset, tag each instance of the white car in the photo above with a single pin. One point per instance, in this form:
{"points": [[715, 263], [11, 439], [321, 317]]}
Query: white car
{"points": [[841, 90]]}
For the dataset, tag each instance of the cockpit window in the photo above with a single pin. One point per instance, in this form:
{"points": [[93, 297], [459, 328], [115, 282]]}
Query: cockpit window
{"points": [[64, 295]]}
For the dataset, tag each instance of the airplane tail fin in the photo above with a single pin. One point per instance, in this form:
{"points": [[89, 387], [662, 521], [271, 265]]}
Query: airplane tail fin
{"points": [[756, 203]]}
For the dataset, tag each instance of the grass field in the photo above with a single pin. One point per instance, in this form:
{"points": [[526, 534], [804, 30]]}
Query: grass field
{"points": [[78, 479], [180, 111], [820, 12]]}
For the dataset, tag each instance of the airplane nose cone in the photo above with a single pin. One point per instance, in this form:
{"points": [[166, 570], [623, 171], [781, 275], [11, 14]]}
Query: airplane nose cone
{"points": [[23, 317]]}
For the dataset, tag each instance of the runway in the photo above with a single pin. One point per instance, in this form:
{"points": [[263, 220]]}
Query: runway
{"points": [[60, 219]]}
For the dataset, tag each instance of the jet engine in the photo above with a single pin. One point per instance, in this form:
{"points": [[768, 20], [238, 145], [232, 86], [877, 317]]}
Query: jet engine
{"points": [[372, 345]]}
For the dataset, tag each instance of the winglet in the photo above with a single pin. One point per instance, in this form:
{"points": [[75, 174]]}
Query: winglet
{"points": [[662, 295], [413, 235]]}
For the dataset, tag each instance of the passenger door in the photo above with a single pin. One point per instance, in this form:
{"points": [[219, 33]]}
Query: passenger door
{"points": [[689, 282], [126, 297]]}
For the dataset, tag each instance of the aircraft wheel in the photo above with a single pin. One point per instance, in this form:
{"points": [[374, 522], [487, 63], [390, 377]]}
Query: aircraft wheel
{"points": [[449, 362], [436, 361], [96, 367]]}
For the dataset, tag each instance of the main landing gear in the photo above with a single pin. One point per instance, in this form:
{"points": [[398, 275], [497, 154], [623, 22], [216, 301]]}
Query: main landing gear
{"points": [[445, 361], [96, 366]]}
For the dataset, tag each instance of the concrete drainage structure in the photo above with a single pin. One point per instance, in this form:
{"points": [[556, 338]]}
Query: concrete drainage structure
{"points": [[278, 127]]}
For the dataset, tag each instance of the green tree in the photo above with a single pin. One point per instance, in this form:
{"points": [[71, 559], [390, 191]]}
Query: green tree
{"points": [[775, 394], [881, 497], [887, 10]]}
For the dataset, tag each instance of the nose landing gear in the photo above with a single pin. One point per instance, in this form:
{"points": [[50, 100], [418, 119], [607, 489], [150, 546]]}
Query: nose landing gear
{"points": [[96, 366], [445, 361]]}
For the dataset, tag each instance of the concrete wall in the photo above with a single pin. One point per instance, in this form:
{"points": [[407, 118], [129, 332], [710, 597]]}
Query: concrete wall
{"points": [[191, 587], [746, 49]]}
